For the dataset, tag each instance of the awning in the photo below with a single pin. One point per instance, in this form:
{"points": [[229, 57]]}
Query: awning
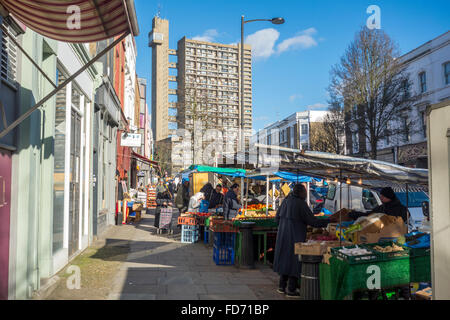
{"points": [[57, 19], [99, 20], [233, 172], [373, 173], [137, 156]]}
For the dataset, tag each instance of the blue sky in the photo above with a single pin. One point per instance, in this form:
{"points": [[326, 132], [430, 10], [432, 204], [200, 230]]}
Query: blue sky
{"points": [[292, 61]]}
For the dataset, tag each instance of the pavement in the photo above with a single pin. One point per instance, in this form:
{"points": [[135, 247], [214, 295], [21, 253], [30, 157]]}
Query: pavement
{"points": [[160, 267]]}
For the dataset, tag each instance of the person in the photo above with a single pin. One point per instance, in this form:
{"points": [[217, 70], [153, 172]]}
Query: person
{"points": [[391, 206], [231, 204], [223, 182], [195, 201], [207, 190], [163, 200], [161, 187], [216, 198], [293, 216], [182, 199]]}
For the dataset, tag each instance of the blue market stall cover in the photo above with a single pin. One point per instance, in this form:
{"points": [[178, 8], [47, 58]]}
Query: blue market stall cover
{"points": [[287, 176]]}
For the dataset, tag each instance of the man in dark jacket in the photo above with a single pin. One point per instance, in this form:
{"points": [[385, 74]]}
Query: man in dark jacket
{"points": [[391, 206], [182, 198], [216, 198], [231, 204], [207, 190], [293, 216]]}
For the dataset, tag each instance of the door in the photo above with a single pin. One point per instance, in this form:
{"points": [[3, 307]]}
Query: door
{"points": [[74, 201], [5, 194]]}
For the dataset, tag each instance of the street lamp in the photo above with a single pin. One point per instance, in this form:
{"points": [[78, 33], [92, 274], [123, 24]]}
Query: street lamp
{"points": [[277, 20]]}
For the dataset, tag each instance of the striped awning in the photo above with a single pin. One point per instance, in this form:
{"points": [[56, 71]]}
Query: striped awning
{"points": [[76, 21]]}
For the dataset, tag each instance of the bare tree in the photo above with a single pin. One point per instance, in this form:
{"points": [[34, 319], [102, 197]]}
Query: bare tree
{"points": [[371, 86]]}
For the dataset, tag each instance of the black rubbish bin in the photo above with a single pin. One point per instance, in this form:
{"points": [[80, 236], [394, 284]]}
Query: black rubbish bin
{"points": [[247, 258], [309, 283]]}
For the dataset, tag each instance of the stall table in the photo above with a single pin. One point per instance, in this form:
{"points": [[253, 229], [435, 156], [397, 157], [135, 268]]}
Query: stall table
{"points": [[339, 279]]}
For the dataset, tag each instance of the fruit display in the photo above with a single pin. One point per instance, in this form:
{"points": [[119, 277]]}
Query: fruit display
{"points": [[392, 248]]}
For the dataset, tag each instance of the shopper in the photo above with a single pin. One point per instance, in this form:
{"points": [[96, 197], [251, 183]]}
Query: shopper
{"points": [[231, 204], [182, 199], [217, 198], [195, 201], [292, 217], [391, 206], [161, 187]]}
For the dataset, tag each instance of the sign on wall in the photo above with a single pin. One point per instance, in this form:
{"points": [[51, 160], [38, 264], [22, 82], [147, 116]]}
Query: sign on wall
{"points": [[130, 140]]}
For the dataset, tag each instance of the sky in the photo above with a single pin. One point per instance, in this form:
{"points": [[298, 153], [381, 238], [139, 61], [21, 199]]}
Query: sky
{"points": [[291, 62]]}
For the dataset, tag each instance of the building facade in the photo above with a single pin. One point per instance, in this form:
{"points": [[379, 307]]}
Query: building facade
{"points": [[428, 68], [199, 93], [292, 132]]}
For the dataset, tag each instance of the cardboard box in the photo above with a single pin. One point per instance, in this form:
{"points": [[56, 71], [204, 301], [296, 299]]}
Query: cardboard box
{"points": [[318, 248], [396, 228], [425, 294]]}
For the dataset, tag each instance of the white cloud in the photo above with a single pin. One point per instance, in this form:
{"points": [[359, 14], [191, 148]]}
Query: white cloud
{"points": [[263, 42], [303, 40], [208, 36]]}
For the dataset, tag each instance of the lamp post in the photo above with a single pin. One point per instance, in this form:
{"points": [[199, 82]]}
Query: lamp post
{"points": [[274, 21]]}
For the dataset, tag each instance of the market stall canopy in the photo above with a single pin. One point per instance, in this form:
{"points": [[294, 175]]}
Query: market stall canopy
{"points": [[233, 172], [58, 19], [276, 176], [373, 173], [144, 159]]}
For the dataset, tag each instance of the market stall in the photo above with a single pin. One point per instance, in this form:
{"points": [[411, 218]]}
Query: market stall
{"points": [[344, 269]]}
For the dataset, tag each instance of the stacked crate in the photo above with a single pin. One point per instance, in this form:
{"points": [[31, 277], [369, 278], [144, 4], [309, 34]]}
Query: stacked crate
{"points": [[151, 197], [189, 229]]}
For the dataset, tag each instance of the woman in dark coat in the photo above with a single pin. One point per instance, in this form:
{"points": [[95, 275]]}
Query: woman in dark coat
{"points": [[292, 217]]}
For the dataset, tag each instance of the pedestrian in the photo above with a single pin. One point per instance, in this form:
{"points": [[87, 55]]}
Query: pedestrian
{"points": [[292, 218], [217, 198], [182, 199], [231, 204], [207, 190], [161, 186], [391, 206]]}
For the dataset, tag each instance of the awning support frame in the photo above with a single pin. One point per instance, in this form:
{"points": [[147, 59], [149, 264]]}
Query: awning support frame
{"points": [[62, 85]]}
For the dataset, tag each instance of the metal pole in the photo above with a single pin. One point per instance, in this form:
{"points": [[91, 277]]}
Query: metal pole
{"points": [[267, 195], [307, 195], [242, 85], [64, 84], [274, 207], [407, 205], [246, 196], [340, 200]]}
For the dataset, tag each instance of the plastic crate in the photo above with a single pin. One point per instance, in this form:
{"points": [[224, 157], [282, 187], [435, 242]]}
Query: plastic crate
{"points": [[223, 256], [372, 257], [388, 255], [224, 240], [190, 221], [189, 234]]}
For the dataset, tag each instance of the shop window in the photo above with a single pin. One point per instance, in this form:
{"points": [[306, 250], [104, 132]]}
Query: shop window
{"points": [[8, 55]]}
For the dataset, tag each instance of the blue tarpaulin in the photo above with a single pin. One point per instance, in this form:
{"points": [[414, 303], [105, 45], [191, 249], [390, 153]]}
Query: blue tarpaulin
{"points": [[287, 176]]}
